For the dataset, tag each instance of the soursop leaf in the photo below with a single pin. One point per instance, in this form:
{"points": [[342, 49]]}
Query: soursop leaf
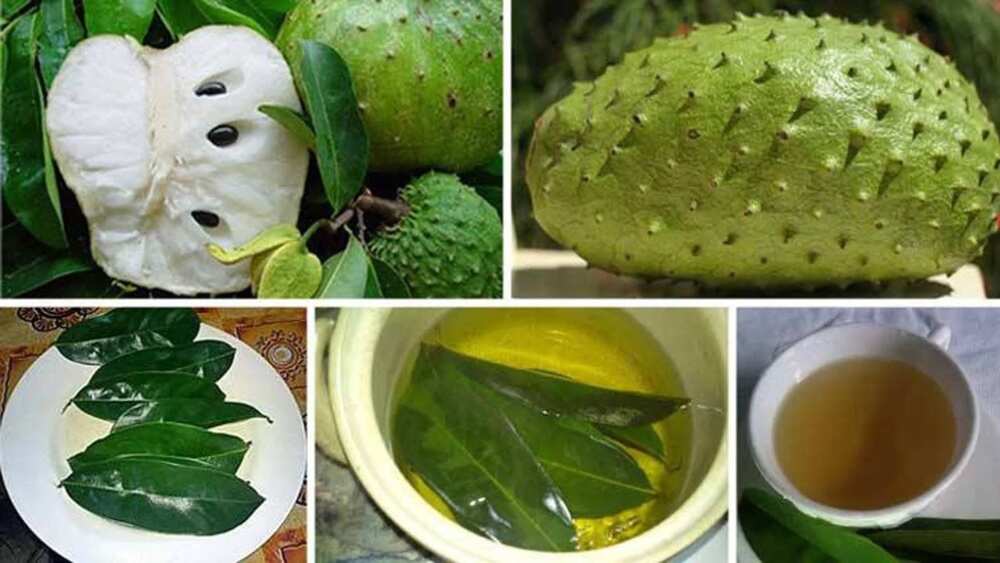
{"points": [[448, 430], [163, 496], [29, 265], [60, 31], [196, 412], [347, 275], [118, 17], [180, 16], [269, 239], [289, 271], [29, 189], [390, 283], [210, 359], [293, 121], [223, 452], [942, 539], [222, 12], [561, 396], [101, 339], [341, 139], [111, 398], [642, 438]]}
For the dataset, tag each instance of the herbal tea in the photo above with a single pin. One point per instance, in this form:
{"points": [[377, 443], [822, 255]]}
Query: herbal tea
{"points": [[548, 429], [865, 434]]}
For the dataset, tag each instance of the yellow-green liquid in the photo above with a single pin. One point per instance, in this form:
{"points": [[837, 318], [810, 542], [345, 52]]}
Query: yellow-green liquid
{"points": [[601, 347]]}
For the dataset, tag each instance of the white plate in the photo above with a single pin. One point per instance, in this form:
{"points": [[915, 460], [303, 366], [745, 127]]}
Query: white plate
{"points": [[36, 438]]}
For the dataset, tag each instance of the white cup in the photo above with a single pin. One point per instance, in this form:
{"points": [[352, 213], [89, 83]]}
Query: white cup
{"points": [[836, 343], [367, 352]]}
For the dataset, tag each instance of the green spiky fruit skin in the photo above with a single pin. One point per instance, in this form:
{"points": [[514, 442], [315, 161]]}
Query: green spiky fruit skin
{"points": [[771, 152], [449, 245], [428, 75]]}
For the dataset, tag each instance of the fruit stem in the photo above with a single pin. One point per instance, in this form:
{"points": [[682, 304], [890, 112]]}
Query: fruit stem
{"points": [[333, 226], [390, 210]]}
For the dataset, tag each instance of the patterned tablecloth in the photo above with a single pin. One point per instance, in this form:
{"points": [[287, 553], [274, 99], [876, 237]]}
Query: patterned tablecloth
{"points": [[279, 335]]}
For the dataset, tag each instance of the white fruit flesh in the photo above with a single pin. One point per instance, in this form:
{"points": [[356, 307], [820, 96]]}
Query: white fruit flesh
{"points": [[130, 136]]}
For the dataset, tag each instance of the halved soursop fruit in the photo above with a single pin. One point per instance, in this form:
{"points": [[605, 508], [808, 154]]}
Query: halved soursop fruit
{"points": [[449, 244], [166, 152], [428, 75], [771, 152]]}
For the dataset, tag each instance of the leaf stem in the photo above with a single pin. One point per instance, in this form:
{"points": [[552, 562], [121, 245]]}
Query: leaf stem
{"points": [[333, 225], [391, 210]]}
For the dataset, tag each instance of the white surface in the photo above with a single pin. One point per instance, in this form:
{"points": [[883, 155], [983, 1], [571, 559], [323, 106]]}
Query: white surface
{"points": [[366, 356], [975, 346], [36, 438], [859, 340]]}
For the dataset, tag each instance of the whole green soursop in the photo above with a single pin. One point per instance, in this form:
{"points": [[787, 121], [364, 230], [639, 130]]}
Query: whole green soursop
{"points": [[771, 151], [428, 75], [450, 244]]}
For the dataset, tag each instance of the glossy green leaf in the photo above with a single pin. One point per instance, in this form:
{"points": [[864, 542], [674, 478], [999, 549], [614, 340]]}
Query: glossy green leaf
{"points": [[218, 12], [595, 476], [10, 7], [562, 396], [28, 192], [210, 359], [341, 140], [779, 533], [29, 264], [163, 496], [118, 17], [109, 399], [288, 272], [60, 31], [267, 17], [122, 331], [346, 275], [449, 432], [390, 283], [642, 438], [180, 16], [93, 284], [222, 451], [934, 539], [196, 412], [293, 121]]}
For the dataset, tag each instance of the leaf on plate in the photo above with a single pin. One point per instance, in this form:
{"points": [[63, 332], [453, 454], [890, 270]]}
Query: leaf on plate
{"points": [[341, 140], [562, 396], [346, 275], [163, 496], [61, 30], [210, 359], [25, 168], [449, 432], [778, 532], [642, 438], [109, 399], [170, 439], [122, 331], [196, 412], [29, 265], [293, 122], [118, 17]]}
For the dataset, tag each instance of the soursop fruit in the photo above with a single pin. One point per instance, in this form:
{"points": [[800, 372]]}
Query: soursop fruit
{"points": [[166, 153], [450, 243], [770, 152], [428, 75]]}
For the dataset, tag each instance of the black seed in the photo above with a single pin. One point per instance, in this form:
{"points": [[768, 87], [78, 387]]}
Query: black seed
{"points": [[223, 135], [206, 218], [211, 89]]}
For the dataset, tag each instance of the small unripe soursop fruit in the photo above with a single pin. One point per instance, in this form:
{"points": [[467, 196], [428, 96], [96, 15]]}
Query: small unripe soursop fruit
{"points": [[166, 152], [428, 75], [771, 151], [450, 244]]}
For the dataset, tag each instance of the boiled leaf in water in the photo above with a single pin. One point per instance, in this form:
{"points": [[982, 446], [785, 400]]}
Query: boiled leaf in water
{"points": [[109, 399], [448, 431], [561, 396], [101, 339], [779, 533], [197, 412], [169, 439], [209, 359], [642, 438], [163, 496]]}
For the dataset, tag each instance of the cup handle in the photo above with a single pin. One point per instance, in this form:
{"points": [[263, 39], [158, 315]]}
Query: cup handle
{"points": [[941, 335]]}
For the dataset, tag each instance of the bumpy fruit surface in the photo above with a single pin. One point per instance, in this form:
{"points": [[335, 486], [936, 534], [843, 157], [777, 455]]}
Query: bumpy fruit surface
{"points": [[167, 153], [428, 75], [450, 244], [771, 151]]}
